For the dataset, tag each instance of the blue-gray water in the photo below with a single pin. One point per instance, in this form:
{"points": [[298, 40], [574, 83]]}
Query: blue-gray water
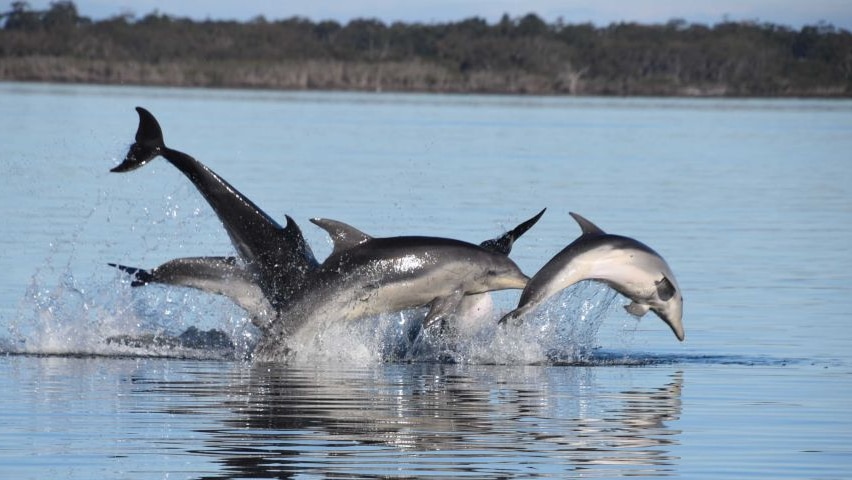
{"points": [[750, 201]]}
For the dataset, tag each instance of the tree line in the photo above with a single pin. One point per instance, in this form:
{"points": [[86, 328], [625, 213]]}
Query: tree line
{"points": [[514, 55]]}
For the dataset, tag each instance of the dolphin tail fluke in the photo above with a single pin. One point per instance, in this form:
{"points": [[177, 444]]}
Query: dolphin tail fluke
{"points": [[140, 275], [503, 244], [149, 143], [521, 229]]}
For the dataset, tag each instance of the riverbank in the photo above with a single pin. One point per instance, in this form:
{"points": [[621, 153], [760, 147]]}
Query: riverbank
{"points": [[412, 76], [515, 55]]}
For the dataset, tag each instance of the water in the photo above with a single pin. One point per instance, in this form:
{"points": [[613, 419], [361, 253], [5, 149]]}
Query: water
{"points": [[748, 200]]}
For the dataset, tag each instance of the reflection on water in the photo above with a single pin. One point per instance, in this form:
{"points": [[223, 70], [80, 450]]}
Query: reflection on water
{"points": [[414, 420]]}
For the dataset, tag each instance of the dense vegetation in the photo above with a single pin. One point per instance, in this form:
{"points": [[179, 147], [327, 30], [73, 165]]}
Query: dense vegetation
{"points": [[519, 55]]}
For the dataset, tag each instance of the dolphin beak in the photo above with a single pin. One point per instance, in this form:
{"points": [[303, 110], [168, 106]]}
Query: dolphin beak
{"points": [[674, 322], [517, 282], [679, 333], [677, 327]]}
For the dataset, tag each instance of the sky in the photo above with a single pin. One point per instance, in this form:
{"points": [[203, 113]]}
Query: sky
{"points": [[793, 13]]}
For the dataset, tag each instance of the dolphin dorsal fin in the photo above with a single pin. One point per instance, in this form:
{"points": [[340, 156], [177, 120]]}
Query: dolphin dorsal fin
{"points": [[586, 226], [300, 248], [343, 235]]}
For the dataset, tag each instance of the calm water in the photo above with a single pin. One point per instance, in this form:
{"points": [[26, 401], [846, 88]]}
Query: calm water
{"points": [[748, 200]]}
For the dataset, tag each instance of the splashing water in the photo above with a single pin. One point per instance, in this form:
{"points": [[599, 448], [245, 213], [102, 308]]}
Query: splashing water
{"points": [[84, 317], [68, 311]]}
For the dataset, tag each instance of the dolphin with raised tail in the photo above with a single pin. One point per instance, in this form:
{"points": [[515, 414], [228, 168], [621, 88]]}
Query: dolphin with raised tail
{"points": [[277, 258], [628, 266]]}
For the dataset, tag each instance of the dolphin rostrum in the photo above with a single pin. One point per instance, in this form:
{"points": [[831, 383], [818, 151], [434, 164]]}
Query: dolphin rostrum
{"points": [[628, 266], [277, 257]]}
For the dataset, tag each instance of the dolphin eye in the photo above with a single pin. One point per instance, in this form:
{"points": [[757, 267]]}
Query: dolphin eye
{"points": [[491, 273]]}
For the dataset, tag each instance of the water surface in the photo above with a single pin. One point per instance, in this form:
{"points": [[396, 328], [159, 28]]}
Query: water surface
{"points": [[748, 200]]}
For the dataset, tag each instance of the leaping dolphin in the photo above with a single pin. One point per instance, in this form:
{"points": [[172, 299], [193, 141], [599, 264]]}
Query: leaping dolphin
{"points": [[366, 276], [630, 267], [219, 275], [278, 258], [469, 307]]}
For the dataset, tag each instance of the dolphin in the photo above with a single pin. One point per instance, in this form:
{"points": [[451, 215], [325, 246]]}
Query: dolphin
{"points": [[443, 271], [367, 276], [469, 307], [277, 258], [630, 267], [219, 275]]}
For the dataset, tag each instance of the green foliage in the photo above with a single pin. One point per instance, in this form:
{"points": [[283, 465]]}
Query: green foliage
{"points": [[61, 15], [522, 54]]}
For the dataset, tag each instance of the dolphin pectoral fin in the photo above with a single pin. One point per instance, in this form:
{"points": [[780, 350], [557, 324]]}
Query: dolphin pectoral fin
{"points": [[149, 143], [637, 309], [441, 309], [503, 244], [665, 289]]}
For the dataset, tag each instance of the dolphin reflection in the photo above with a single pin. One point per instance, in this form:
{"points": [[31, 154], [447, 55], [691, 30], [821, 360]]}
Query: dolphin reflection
{"points": [[278, 422]]}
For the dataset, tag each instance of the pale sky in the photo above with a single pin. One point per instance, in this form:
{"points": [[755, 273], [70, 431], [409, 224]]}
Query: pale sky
{"points": [[793, 13]]}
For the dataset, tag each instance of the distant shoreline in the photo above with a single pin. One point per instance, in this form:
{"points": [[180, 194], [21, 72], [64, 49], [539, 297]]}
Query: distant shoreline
{"points": [[514, 56], [315, 76]]}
